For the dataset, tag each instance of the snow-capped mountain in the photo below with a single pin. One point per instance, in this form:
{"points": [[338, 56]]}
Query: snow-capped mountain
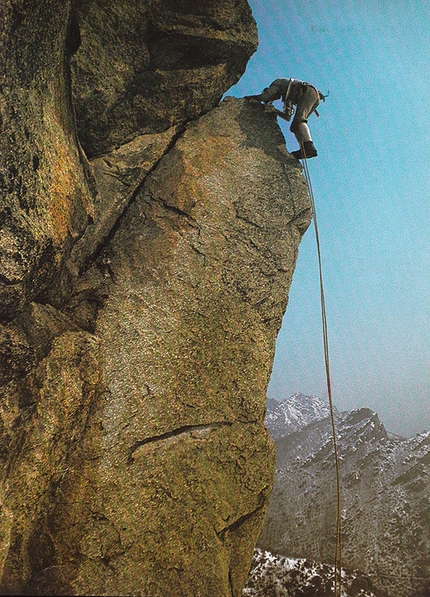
{"points": [[277, 576], [385, 495], [292, 414]]}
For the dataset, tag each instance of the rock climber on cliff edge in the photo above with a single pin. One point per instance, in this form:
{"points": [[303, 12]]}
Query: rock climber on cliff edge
{"points": [[306, 98]]}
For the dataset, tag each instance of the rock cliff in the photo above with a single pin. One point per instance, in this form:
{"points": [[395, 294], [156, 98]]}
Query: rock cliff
{"points": [[148, 241]]}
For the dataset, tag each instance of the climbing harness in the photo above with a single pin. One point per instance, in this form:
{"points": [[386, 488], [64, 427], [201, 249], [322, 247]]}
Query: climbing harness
{"points": [[338, 549], [288, 104]]}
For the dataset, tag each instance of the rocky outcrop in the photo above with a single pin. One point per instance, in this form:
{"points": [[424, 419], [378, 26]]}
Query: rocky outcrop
{"points": [[144, 66], [142, 291]]}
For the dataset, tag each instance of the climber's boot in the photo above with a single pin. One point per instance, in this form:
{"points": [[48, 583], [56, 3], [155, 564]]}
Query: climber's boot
{"points": [[309, 151]]}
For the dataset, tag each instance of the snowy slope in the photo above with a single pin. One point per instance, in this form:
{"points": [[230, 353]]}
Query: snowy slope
{"points": [[385, 484], [277, 576]]}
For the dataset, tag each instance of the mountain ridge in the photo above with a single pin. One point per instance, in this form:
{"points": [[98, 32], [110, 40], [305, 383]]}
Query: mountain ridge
{"points": [[385, 499]]}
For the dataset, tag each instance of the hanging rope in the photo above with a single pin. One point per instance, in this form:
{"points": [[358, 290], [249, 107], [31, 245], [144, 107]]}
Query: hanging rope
{"points": [[338, 549]]}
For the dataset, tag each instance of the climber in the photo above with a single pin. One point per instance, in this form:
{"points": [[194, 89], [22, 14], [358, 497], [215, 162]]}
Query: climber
{"points": [[306, 98]]}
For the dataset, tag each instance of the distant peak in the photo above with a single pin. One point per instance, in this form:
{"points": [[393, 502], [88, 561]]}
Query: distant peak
{"points": [[294, 413]]}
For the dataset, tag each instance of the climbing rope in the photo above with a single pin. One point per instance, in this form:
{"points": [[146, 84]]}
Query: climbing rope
{"points": [[338, 549]]}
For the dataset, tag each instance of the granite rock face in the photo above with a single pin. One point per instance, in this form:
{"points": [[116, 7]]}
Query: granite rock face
{"points": [[142, 291], [45, 190]]}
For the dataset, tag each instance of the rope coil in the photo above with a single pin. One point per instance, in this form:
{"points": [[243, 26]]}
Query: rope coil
{"points": [[338, 549]]}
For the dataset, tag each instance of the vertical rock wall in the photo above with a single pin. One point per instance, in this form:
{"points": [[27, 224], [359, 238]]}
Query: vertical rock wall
{"points": [[135, 362]]}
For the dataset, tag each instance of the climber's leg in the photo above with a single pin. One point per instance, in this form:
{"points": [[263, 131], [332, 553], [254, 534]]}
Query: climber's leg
{"points": [[307, 103]]}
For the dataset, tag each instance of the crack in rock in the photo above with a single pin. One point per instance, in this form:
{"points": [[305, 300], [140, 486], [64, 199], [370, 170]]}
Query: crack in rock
{"points": [[242, 519], [118, 186], [195, 431]]}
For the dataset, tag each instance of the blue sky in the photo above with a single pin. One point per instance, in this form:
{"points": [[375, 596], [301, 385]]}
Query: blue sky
{"points": [[371, 186]]}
